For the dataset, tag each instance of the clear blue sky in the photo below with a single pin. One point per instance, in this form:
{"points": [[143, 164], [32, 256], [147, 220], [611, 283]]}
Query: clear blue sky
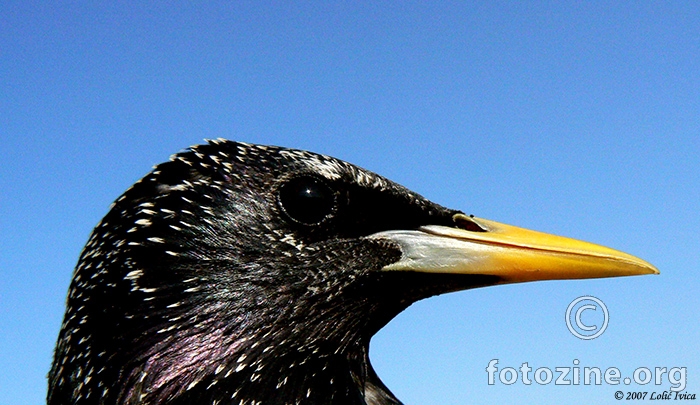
{"points": [[576, 118]]}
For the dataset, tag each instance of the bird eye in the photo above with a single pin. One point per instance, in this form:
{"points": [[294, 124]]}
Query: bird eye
{"points": [[307, 200]]}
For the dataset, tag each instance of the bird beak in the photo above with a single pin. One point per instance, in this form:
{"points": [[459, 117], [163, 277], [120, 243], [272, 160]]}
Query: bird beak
{"points": [[483, 247]]}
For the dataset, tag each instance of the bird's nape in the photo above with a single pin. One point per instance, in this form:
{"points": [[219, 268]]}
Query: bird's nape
{"points": [[238, 273]]}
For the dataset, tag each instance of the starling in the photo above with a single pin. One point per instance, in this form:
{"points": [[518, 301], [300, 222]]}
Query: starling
{"points": [[247, 274]]}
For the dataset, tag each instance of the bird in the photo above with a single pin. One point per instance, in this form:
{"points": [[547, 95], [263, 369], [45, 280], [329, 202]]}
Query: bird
{"points": [[236, 273]]}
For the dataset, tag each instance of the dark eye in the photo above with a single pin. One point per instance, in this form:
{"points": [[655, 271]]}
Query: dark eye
{"points": [[307, 200]]}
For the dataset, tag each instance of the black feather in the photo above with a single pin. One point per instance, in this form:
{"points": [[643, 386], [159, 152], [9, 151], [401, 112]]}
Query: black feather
{"points": [[211, 281]]}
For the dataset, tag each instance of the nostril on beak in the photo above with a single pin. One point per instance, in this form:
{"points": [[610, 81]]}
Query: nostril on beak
{"points": [[467, 223]]}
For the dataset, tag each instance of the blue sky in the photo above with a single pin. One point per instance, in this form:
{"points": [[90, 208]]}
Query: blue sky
{"points": [[575, 118]]}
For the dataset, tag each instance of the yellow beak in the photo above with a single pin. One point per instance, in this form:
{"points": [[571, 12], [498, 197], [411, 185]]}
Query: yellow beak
{"points": [[483, 247]]}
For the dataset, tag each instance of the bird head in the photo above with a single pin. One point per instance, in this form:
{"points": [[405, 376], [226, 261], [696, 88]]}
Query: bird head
{"points": [[238, 273]]}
